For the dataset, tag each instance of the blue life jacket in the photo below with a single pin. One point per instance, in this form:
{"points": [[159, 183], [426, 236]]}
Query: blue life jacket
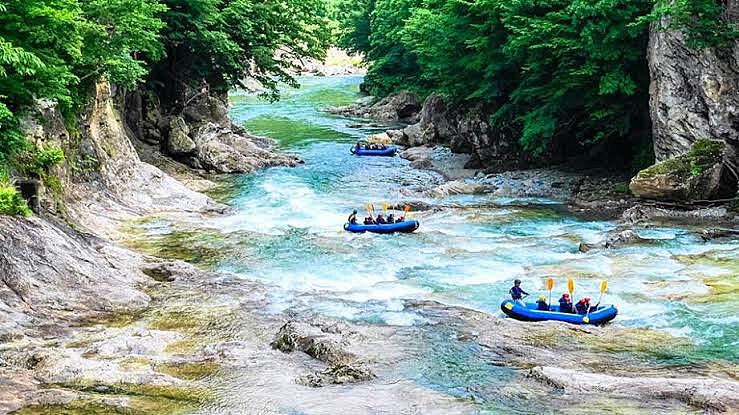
{"points": [[542, 305]]}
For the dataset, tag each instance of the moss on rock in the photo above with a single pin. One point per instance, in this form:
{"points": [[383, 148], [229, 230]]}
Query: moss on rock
{"points": [[189, 370], [141, 400], [702, 156]]}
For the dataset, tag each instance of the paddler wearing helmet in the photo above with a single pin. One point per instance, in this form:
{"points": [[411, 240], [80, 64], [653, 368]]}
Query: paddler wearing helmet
{"points": [[565, 303], [541, 303], [583, 306]]}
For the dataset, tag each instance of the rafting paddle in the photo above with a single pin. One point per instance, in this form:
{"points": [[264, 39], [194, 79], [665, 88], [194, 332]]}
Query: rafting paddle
{"points": [[603, 288], [571, 288], [550, 287]]}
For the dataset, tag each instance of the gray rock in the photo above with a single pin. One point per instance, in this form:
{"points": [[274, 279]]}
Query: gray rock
{"points": [[325, 342], [700, 174], [226, 150], [711, 234], [712, 395], [693, 94], [179, 142], [459, 187], [622, 238], [50, 271], [464, 131], [403, 107]]}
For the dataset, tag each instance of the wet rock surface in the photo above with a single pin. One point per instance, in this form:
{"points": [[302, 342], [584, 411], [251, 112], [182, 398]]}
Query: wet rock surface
{"points": [[326, 342], [698, 175], [576, 362]]}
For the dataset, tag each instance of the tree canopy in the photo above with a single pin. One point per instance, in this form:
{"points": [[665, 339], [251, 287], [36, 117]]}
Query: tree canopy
{"points": [[54, 49], [568, 76]]}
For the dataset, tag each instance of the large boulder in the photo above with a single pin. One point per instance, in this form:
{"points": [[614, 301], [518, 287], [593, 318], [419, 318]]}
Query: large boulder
{"points": [[698, 175], [179, 142], [232, 150], [401, 107]]}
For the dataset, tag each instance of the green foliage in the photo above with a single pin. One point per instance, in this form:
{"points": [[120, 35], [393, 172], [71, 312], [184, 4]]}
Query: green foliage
{"points": [[11, 202], [565, 75], [37, 161], [702, 20], [227, 42], [703, 155]]}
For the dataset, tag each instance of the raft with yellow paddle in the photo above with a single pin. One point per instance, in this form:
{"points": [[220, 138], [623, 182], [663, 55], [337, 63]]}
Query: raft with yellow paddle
{"points": [[597, 316]]}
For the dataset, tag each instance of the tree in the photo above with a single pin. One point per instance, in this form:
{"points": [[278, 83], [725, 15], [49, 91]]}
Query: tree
{"points": [[225, 42]]}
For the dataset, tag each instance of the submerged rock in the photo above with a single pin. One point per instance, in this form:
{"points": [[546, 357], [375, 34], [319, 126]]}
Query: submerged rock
{"points": [[622, 238], [713, 395], [324, 342]]}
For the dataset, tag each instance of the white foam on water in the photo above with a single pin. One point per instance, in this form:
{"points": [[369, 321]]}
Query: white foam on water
{"points": [[402, 318]]}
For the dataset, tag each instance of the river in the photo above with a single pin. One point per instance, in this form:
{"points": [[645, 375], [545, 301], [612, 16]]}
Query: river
{"points": [[286, 233]]}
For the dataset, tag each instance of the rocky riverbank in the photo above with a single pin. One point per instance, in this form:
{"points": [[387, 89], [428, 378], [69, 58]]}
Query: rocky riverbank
{"points": [[448, 142]]}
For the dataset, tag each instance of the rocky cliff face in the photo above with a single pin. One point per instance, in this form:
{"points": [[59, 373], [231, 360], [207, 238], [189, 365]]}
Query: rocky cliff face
{"points": [[694, 94], [103, 180], [464, 131]]}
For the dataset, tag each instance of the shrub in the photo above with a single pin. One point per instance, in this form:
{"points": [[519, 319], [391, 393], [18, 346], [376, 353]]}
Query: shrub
{"points": [[11, 202]]}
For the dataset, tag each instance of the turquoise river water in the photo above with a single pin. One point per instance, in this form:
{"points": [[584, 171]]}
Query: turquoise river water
{"points": [[467, 255]]}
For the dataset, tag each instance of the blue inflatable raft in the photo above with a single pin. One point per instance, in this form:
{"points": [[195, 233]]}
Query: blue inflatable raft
{"points": [[602, 315], [388, 152], [407, 226]]}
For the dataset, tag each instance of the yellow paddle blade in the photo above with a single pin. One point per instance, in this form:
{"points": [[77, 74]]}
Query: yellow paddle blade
{"points": [[603, 286], [570, 285], [550, 284], [384, 207], [410, 215]]}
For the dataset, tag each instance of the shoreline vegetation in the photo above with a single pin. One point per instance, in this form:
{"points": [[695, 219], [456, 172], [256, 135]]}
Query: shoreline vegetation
{"points": [[114, 121]]}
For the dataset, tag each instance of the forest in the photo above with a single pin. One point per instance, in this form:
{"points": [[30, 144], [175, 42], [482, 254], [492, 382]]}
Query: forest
{"points": [[565, 74]]}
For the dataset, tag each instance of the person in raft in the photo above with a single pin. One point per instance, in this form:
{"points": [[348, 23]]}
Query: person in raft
{"points": [[565, 303], [517, 292], [583, 306], [541, 303], [380, 219], [369, 221], [353, 218], [391, 218], [357, 146]]}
